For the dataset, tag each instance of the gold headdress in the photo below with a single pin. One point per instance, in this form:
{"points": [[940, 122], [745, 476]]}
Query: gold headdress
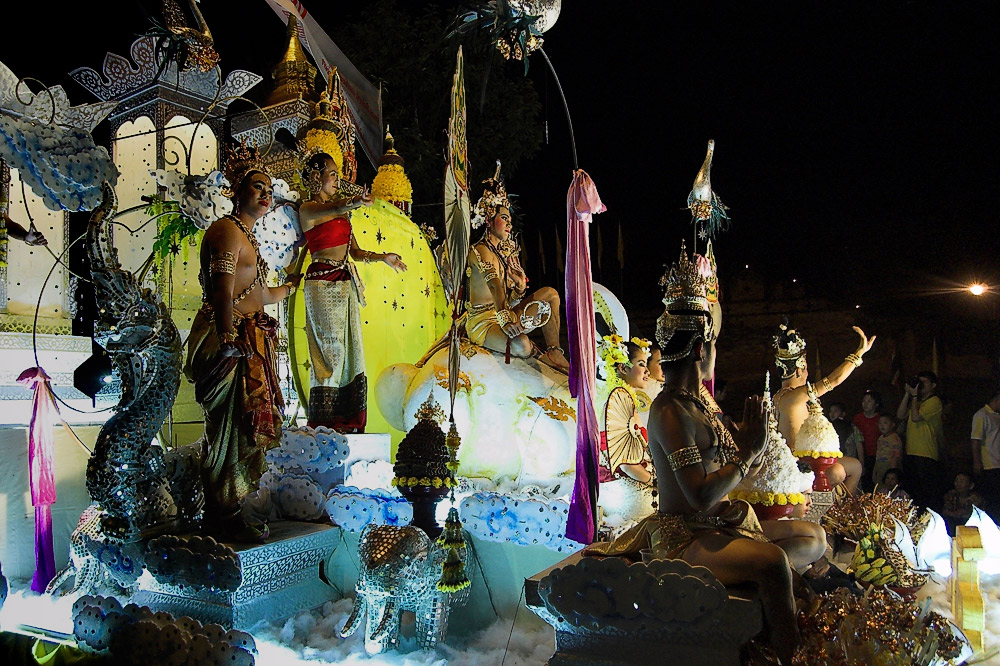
{"points": [[687, 305], [242, 159], [322, 135], [494, 196], [789, 350]]}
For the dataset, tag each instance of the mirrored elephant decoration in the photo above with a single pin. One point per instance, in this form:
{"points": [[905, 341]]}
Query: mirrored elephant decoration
{"points": [[400, 568]]}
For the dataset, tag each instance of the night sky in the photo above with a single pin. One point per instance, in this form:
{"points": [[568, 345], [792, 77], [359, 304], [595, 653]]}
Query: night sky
{"points": [[854, 141]]}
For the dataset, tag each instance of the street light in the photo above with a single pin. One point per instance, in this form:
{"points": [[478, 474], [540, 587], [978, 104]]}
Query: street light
{"points": [[977, 289]]}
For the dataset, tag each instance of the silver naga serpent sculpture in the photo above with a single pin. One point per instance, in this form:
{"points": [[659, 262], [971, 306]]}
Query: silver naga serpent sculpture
{"points": [[142, 491]]}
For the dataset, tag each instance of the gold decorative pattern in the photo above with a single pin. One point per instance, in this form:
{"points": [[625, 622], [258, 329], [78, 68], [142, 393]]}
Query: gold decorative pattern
{"points": [[555, 408], [441, 375]]}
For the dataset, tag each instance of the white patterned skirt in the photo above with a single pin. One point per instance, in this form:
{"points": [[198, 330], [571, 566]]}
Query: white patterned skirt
{"points": [[338, 394]]}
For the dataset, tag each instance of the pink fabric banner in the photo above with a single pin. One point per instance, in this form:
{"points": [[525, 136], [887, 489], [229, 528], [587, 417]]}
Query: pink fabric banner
{"points": [[582, 203], [41, 471]]}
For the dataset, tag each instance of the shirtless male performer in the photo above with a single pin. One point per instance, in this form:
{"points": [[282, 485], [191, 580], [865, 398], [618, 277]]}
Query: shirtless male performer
{"points": [[498, 287], [792, 400], [231, 352], [699, 462]]}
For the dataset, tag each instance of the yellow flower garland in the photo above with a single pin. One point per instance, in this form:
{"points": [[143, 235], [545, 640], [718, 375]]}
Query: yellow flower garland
{"points": [[768, 498], [818, 454], [391, 184], [435, 482]]}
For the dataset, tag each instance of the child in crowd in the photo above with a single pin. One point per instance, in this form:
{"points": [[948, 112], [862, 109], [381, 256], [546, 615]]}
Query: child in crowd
{"points": [[958, 502], [889, 450], [892, 484]]}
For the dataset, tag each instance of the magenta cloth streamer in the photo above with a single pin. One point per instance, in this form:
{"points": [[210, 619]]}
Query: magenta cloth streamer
{"points": [[582, 203], [41, 472]]}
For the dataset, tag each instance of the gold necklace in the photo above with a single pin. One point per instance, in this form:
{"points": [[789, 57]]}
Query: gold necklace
{"points": [[261, 264], [726, 451]]}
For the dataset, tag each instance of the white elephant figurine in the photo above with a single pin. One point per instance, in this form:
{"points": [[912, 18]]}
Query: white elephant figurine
{"points": [[400, 568]]}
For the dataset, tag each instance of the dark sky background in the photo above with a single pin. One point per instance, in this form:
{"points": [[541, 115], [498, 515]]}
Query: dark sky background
{"points": [[854, 141]]}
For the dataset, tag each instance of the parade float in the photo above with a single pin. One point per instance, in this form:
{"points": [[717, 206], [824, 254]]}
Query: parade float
{"points": [[429, 511]]}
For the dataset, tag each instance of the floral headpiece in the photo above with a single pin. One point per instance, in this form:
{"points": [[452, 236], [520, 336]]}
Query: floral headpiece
{"points": [[494, 196], [641, 343], [789, 350], [612, 351], [687, 308], [241, 160]]}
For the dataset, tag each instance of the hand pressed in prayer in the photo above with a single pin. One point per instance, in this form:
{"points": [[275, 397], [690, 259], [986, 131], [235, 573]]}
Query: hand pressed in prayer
{"points": [[751, 433]]}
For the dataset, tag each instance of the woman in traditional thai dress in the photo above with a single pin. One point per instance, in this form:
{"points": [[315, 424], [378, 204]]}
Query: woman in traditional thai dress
{"points": [[334, 295], [626, 470]]}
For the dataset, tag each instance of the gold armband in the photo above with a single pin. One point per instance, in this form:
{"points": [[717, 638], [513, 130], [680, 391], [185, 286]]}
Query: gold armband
{"points": [[504, 317], [227, 338], [855, 359], [827, 385], [224, 262], [291, 288], [689, 455]]}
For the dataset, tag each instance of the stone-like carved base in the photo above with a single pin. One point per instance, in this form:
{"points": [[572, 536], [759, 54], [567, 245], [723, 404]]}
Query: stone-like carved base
{"points": [[280, 578], [613, 640]]}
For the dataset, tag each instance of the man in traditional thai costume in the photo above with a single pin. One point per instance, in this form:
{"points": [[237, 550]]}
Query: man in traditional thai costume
{"points": [[500, 310], [698, 462], [231, 356], [797, 394]]}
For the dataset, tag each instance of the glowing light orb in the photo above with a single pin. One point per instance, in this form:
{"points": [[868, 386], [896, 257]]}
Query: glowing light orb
{"points": [[977, 289]]}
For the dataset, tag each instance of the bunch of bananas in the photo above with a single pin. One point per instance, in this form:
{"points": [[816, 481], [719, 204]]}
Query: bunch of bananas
{"points": [[870, 563]]}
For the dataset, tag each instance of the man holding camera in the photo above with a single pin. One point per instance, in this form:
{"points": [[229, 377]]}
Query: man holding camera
{"points": [[921, 408]]}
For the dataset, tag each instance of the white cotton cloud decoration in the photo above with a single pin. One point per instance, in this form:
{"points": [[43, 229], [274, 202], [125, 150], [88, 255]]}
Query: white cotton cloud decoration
{"points": [[62, 165]]}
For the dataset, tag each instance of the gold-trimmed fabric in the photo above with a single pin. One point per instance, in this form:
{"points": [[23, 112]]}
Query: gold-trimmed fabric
{"points": [[670, 534], [242, 402], [480, 320], [338, 394]]}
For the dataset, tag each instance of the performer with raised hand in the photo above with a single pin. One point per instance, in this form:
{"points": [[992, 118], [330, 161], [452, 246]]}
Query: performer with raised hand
{"points": [[796, 395]]}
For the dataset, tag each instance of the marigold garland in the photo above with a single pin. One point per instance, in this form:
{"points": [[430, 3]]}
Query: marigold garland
{"points": [[391, 184], [435, 482], [818, 454], [768, 498]]}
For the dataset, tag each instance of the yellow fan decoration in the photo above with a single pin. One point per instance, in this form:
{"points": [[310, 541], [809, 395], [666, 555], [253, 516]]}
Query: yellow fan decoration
{"points": [[626, 440]]}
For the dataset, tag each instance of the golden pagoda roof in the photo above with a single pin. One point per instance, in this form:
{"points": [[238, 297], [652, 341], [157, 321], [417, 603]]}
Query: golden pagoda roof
{"points": [[294, 76]]}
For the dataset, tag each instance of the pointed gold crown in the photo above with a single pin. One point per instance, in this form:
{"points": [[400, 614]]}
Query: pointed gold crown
{"points": [[789, 350], [242, 159], [687, 308], [324, 133], [494, 196]]}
